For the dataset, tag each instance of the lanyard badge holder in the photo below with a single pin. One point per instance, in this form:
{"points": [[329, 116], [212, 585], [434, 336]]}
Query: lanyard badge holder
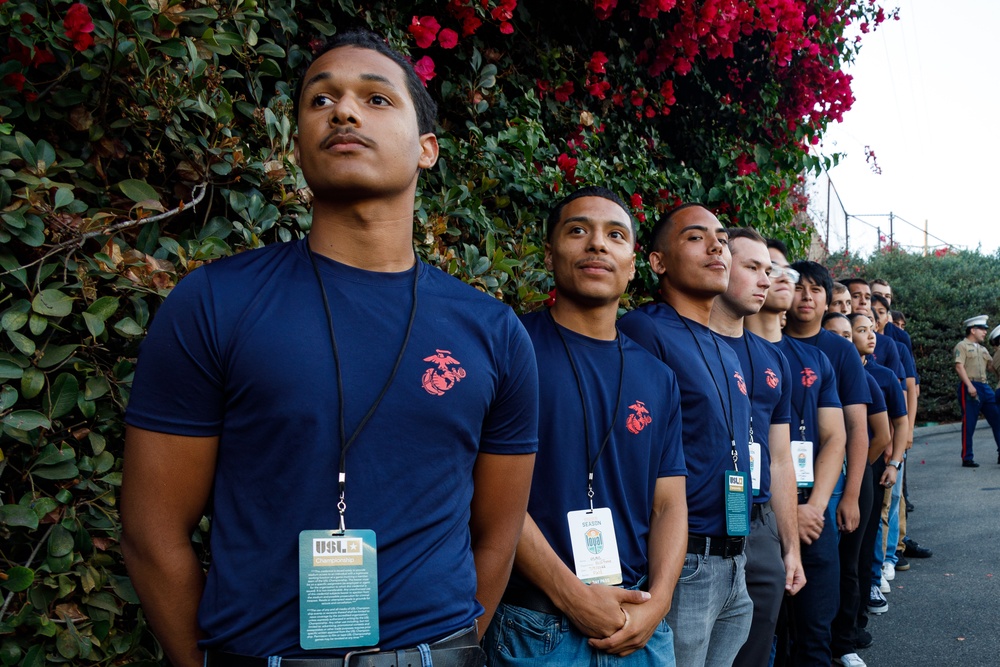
{"points": [[802, 459], [338, 569], [592, 531]]}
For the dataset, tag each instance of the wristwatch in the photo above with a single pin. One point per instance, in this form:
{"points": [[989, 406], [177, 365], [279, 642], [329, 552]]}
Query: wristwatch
{"points": [[896, 464]]}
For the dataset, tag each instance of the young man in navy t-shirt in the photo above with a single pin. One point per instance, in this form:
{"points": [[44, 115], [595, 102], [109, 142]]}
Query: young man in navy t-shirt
{"points": [[774, 565], [604, 538], [817, 425], [332, 396], [711, 610]]}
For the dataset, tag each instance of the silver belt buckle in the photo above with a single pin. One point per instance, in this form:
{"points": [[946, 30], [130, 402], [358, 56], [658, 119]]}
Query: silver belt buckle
{"points": [[350, 654]]}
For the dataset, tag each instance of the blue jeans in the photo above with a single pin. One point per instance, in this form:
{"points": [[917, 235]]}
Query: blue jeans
{"points": [[985, 403], [891, 540], [519, 636], [711, 611]]}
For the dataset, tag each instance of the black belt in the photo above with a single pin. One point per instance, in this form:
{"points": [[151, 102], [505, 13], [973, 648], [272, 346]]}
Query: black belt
{"points": [[531, 598], [804, 494], [459, 651], [727, 547], [756, 510]]}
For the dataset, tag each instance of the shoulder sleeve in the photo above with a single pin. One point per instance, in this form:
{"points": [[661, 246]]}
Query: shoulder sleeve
{"points": [[782, 413], [959, 351], [895, 401], [178, 386], [852, 384], [672, 462], [829, 396], [909, 365], [878, 400], [893, 362], [640, 327], [511, 426]]}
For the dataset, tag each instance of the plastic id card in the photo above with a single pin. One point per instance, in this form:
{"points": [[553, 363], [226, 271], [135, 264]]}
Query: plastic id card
{"points": [[755, 463], [595, 547], [802, 460], [338, 589], [737, 503]]}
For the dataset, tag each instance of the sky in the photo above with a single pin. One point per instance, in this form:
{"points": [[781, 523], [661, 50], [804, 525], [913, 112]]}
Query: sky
{"points": [[927, 98]]}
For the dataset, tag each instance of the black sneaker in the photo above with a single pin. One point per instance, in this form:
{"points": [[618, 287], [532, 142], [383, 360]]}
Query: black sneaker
{"points": [[877, 603], [969, 464], [914, 550], [902, 565], [909, 505], [864, 639]]}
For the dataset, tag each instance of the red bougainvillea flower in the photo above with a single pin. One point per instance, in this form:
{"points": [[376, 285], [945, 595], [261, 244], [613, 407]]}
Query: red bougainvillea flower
{"points": [[567, 165], [563, 92], [636, 202], [598, 88], [603, 8], [424, 69], [424, 29], [17, 51], [551, 301], [504, 11], [16, 81], [745, 166], [30, 96], [42, 57], [27, 19], [597, 62], [507, 28], [448, 38], [78, 26]]}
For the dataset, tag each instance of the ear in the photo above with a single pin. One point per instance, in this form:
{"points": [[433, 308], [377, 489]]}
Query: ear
{"points": [[631, 272], [295, 149], [657, 262], [548, 256], [428, 151]]}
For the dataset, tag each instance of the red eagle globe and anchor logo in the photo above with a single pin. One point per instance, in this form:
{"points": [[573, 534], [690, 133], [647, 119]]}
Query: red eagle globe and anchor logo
{"points": [[445, 373], [808, 377], [772, 378], [639, 418]]}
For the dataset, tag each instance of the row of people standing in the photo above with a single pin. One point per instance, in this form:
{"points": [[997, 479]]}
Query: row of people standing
{"points": [[367, 421]]}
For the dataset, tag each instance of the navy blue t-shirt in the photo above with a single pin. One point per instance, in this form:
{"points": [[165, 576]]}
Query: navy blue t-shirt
{"points": [[895, 399], [878, 399], [645, 443], [843, 356], [815, 388], [241, 350], [900, 336], [770, 394], [887, 354], [710, 425], [906, 358]]}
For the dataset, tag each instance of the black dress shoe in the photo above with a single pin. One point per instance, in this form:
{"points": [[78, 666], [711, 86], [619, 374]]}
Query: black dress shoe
{"points": [[864, 639], [969, 464], [909, 507]]}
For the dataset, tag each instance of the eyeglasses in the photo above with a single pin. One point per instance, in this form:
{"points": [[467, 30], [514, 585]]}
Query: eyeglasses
{"points": [[780, 272]]}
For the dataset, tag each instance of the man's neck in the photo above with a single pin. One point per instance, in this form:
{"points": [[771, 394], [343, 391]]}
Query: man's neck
{"points": [[971, 339], [374, 235], [697, 307], [724, 321], [765, 324], [798, 329], [593, 322]]}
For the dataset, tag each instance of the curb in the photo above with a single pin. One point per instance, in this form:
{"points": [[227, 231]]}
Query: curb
{"points": [[938, 429]]}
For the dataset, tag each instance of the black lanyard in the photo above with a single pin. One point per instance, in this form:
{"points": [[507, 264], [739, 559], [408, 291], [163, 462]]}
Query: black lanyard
{"points": [[750, 381], [727, 415], [592, 462], [344, 445], [802, 403]]}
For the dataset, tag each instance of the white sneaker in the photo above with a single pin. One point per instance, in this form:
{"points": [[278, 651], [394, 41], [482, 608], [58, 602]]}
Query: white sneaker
{"points": [[850, 660], [889, 571], [884, 586]]}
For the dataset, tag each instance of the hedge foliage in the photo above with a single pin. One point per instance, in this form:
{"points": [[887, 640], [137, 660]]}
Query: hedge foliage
{"points": [[936, 293], [140, 139]]}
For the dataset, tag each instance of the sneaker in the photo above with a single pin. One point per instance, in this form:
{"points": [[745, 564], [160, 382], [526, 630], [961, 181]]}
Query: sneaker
{"points": [[902, 565], [914, 550], [888, 571], [876, 602], [909, 505], [969, 464], [850, 660], [884, 586], [863, 639]]}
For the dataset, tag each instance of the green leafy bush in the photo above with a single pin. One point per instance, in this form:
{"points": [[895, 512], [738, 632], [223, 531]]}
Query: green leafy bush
{"points": [[140, 139]]}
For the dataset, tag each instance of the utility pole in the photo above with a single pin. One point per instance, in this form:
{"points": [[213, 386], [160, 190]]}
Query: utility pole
{"points": [[925, 237], [829, 184], [890, 229]]}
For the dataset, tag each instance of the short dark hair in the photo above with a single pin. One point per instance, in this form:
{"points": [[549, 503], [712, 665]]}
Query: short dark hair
{"points": [[588, 191], [746, 233], [847, 282], [854, 316], [839, 287], [664, 222], [897, 316], [881, 300], [832, 316], [879, 281], [779, 245], [817, 274], [363, 38]]}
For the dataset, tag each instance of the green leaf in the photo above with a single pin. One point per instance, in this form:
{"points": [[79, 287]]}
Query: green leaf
{"points": [[8, 396], [67, 645], [18, 579], [104, 307], [51, 454], [9, 370], [67, 470], [60, 541], [95, 325], [56, 354], [128, 327], [15, 317], [18, 515], [24, 345], [43, 506], [37, 324], [62, 396], [64, 197], [96, 387], [202, 14], [138, 191], [53, 303], [26, 420], [270, 50], [32, 382]]}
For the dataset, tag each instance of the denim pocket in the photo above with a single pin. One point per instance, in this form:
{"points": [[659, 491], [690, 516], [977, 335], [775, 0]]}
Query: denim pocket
{"points": [[693, 564], [525, 633]]}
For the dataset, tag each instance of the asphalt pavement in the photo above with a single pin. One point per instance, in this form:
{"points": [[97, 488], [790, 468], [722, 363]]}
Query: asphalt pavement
{"points": [[945, 610]]}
